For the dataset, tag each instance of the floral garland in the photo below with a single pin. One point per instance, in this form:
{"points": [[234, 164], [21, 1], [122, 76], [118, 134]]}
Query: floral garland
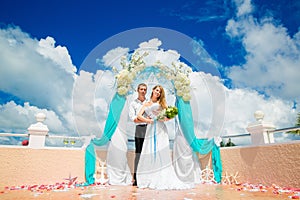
{"points": [[129, 72], [178, 74]]}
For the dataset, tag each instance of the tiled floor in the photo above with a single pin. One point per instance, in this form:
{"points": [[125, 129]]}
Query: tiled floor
{"points": [[202, 191]]}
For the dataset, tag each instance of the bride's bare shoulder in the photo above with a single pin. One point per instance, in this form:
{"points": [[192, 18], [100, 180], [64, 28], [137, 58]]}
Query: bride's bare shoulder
{"points": [[148, 103]]}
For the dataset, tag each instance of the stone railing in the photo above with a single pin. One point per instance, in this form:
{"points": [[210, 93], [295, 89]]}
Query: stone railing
{"points": [[40, 164], [262, 132], [39, 132]]}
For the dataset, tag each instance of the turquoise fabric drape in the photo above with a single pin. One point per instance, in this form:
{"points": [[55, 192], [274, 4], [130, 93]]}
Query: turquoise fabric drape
{"points": [[115, 110], [217, 163], [90, 164], [203, 146]]}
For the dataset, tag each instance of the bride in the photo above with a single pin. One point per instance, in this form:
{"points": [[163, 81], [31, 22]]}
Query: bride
{"points": [[155, 169]]}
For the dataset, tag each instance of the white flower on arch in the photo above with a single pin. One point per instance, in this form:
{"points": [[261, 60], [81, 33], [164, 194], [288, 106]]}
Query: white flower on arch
{"points": [[177, 73]]}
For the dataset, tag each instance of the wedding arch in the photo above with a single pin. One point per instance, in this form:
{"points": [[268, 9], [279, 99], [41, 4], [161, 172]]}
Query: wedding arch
{"points": [[133, 67]]}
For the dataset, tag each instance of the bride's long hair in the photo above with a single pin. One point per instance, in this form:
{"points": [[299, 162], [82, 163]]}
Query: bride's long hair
{"points": [[162, 98]]}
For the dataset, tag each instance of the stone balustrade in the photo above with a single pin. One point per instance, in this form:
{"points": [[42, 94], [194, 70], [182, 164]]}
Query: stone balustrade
{"points": [[259, 130], [263, 162]]}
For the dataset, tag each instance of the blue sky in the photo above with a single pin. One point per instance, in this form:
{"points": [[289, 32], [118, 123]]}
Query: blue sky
{"points": [[255, 45], [81, 25]]}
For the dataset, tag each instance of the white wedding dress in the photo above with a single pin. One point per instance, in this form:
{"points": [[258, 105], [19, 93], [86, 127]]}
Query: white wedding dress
{"points": [[155, 169], [118, 171]]}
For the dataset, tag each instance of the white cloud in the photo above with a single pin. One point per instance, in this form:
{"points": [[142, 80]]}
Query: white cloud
{"points": [[37, 72], [244, 7], [42, 81], [91, 97], [113, 57], [58, 54], [240, 105], [272, 57], [17, 118], [151, 44]]}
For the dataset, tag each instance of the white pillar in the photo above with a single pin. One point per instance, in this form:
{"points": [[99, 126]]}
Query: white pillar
{"points": [[259, 130], [37, 132]]}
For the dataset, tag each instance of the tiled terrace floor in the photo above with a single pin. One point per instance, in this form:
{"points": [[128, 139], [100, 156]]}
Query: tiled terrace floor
{"points": [[202, 191]]}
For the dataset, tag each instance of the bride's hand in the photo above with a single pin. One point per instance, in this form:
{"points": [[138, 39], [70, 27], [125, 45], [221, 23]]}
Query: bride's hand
{"points": [[166, 119], [149, 121]]}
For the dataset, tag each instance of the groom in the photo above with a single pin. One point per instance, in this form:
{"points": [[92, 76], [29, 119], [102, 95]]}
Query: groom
{"points": [[140, 129]]}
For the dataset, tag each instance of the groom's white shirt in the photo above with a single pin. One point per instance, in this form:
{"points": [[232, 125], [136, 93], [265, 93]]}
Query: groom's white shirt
{"points": [[134, 109]]}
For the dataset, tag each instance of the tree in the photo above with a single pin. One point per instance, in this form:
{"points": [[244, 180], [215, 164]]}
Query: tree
{"points": [[297, 124], [229, 143], [222, 144]]}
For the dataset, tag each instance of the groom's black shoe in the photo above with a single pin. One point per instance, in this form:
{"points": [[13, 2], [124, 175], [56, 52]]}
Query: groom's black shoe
{"points": [[134, 183]]}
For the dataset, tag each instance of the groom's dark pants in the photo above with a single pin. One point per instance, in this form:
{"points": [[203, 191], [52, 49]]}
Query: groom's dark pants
{"points": [[140, 132]]}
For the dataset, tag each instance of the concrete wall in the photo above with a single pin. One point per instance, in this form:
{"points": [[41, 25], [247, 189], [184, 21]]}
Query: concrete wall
{"points": [[268, 164], [130, 157], [25, 166]]}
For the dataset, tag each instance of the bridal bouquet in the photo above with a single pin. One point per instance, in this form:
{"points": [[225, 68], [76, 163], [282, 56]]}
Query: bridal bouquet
{"points": [[169, 113]]}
